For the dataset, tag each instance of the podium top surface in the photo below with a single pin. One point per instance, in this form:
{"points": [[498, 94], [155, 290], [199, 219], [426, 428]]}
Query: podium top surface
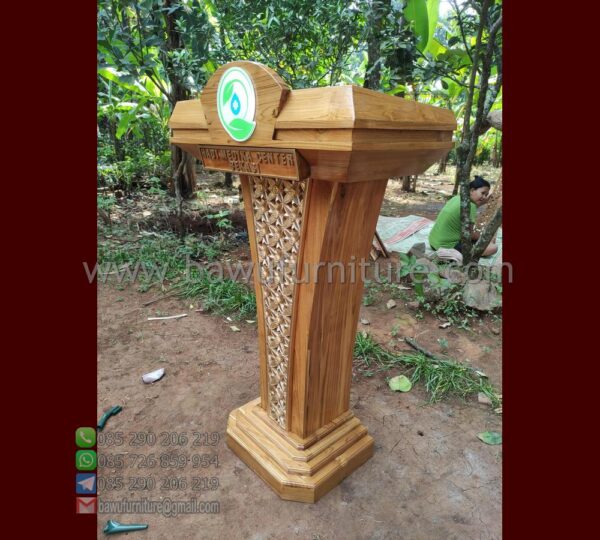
{"points": [[246, 104]]}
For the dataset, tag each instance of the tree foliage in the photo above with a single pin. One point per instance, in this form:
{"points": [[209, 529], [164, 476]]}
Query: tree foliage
{"points": [[308, 43], [153, 53]]}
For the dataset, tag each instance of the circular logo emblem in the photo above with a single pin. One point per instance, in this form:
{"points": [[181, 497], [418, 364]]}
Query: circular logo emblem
{"points": [[236, 104]]}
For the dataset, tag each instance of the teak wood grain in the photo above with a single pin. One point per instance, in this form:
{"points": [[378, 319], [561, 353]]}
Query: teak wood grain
{"points": [[294, 168], [348, 141], [297, 474], [340, 225], [260, 315], [327, 126], [271, 93]]}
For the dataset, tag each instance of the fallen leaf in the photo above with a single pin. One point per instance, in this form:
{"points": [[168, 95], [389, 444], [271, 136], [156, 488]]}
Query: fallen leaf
{"points": [[400, 383], [250, 322], [364, 321], [235, 328], [490, 437], [390, 304], [481, 373], [445, 325]]}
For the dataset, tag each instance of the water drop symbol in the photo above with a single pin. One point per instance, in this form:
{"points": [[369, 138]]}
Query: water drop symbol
{"points": [[235, 104]]}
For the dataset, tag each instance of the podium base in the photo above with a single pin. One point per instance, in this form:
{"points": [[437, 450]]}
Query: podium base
{"points": [[298, 469]]}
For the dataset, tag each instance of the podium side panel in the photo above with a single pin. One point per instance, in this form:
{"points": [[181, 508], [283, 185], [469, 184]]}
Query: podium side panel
{"points": [[260, 316], [340, 227]]}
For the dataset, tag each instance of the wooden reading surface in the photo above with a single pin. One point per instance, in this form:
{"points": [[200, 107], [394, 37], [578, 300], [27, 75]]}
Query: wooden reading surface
{"points": [[313, 168]]}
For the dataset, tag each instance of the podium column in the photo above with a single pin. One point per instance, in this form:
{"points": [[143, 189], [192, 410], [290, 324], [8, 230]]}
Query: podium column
{"points": [[307, 240]]}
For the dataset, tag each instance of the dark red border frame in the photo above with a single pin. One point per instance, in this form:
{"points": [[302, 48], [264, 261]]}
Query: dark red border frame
{"points": [[547, 177], [49, 107], [50, 224]]}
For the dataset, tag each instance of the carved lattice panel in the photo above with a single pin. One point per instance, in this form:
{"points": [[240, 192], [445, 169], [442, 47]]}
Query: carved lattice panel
{"points": [[278, 207]]}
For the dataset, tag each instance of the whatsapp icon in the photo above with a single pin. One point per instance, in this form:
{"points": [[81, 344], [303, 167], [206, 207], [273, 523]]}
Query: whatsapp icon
{"points": [[85, 460]]}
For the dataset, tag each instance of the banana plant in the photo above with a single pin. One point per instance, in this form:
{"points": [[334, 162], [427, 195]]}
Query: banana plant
{"points": [[423, 14]]}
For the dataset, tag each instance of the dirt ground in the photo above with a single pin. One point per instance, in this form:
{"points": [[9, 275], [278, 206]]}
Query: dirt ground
{"points": [[430, 477]]}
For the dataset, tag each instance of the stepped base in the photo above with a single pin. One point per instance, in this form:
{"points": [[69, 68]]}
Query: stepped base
{"points": [[298, 469]]}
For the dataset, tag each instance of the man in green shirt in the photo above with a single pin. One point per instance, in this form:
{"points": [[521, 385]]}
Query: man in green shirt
{"points": [[446, 229]]}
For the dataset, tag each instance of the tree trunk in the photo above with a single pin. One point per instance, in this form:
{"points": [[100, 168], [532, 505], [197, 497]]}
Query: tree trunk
{"points": [[375, 18], [179, 182], [188, 177], [442, 164], [463, 167], [409, 183], [415, 90], [496, 152], [117, 143], [488, 222], [228, 180], [466, 150], [486, 235], [494, 202], [178, 93]]}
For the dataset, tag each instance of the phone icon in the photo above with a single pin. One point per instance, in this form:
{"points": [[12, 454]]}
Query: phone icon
{"points": [[85, 437]]}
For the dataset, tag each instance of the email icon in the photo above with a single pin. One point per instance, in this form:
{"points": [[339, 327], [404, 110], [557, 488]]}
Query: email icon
{"points": [[87, 505]]}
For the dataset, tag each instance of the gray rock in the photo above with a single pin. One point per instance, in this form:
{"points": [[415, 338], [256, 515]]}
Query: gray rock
{"points": [[481, 295], [424, 262], [482, 398], [417, 250], [453, 275]]}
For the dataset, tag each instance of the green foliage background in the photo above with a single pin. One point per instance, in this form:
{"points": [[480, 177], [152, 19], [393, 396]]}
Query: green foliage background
{"points": [[151, 53]]}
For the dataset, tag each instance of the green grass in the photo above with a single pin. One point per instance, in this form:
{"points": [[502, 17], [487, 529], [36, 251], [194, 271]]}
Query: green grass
{"points": [[441, 379], [153, 248], [443, 300], [450, 307], [221, 296], [374, 290], [168, 256]]}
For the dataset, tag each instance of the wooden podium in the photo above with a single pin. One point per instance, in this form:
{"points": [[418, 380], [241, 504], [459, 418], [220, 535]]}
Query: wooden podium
{"points": [[313, 165]]}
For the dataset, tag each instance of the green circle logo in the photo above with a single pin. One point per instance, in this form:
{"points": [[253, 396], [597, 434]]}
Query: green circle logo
{"points": [[236, 104]]}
